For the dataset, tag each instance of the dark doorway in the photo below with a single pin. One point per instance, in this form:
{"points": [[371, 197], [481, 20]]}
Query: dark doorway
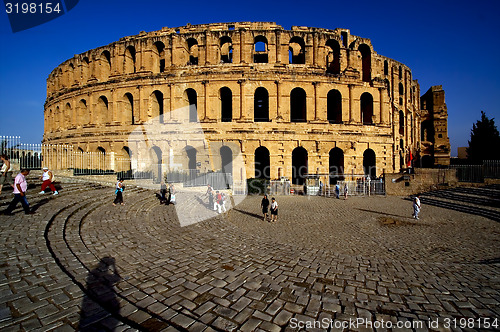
{"points": [[262, 163], [299, 165], [369, 163]]}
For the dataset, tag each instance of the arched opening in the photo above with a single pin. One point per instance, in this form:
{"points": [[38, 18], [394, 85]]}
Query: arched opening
{"points": [[262, 163], [157, 105], [299, 165], [100, 161], [401, 93], [298, 105], [191, 158], [260, 54], [192, 45], [297, 51], [366, 62], [129, 108], [400, 73], [85, 69], [386, 68], [366, 108], [102, 110], [125, 161], [104, 65], [427, 131], [401, 123], [83, 114], [261, 105], [156, 164], [192, 100], [333, 57], [159, 57], [226, 104], [226, 50], [226, 155], [68, 121], [336, 162], [369, 163], [334, 106], [427, 161], [129, 61]]}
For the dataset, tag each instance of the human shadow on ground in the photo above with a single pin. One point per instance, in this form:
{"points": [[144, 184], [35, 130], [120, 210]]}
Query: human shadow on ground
{"points": [[100, 306], [38, 204], [383, 213], [250, 213], [207, 205]]}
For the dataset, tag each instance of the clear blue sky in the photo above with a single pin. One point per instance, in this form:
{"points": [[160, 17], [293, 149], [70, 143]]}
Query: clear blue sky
{"points": [[449, 43]]}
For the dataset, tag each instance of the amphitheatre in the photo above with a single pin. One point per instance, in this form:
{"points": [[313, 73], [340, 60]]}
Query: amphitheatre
{"points": [[288, 102], [254, 100]]}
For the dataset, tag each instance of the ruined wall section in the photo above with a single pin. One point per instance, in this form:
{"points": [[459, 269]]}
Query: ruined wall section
{"points": [[95, 99]]}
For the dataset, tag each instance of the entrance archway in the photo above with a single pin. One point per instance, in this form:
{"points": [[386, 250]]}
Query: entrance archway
{"points": [[299, 165], [369, 163], [262, 163]]}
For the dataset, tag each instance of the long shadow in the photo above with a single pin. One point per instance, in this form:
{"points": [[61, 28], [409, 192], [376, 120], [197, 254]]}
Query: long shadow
{"points": [[37, 205], [100, 300], [249, 213], [207, 205], [477, 211], [459, 196], [484, 191], [383, 213]]}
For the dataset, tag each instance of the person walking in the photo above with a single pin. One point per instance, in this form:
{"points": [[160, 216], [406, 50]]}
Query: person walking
{"points": [[47, 177], [5, 174], [163, 193], [346, 190], [20, 187], [337, 190], [416, 206], [119, 193], [264, 204], [172, 194], [210, 194], [223, 202], [274, 210]]}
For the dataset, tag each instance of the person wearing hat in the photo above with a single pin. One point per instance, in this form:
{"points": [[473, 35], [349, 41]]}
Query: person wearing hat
{"points": [[47, 181]]}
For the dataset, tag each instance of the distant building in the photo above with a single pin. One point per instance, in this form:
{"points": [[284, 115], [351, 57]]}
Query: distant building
{"points": [[462, 152]]}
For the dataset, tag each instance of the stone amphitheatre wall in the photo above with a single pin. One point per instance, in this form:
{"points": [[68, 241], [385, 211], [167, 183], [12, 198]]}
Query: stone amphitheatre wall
{"points": [[310, 96]]}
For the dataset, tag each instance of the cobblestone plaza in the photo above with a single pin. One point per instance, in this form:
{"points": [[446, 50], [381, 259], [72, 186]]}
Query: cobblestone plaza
{"points": [[80, 263]]}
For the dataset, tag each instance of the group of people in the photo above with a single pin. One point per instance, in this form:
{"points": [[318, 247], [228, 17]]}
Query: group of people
{"points": [[167, 193], [20, 185], [265, 208], [216, 199]]}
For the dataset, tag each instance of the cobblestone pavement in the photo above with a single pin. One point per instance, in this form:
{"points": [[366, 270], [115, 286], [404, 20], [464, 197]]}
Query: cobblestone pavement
{"points": [[81, 263]]}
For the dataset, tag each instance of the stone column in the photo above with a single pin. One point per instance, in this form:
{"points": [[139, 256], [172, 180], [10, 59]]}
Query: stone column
{"points": [[278, 102], [316, 101], [351, 105], [206, 116], [243, 115], [278, 46], [381, 118], [171, 100]]}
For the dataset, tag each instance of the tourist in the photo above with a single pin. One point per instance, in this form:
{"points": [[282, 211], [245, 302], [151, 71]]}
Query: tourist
{"points": [[337, 190], [172, 198], [5, 174], [218, 199], [346, 190], [320, 188], [20, 187], [119, 192], [223, 202], [274, 210], [163, 193], [265, 206], [47, 178], [210, 194], [416, 206]]}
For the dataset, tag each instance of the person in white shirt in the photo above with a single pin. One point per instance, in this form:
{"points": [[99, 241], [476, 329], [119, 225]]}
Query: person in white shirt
{"points": [[20, 187], [47, 177], [4, 171], [416, 206], [274, 210]]}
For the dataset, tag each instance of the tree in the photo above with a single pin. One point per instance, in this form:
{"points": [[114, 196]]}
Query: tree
{"points": [[484, 141]]}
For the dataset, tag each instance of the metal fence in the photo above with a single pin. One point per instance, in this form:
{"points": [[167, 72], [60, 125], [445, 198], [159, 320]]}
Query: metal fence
{"points": [[477, 173]]}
